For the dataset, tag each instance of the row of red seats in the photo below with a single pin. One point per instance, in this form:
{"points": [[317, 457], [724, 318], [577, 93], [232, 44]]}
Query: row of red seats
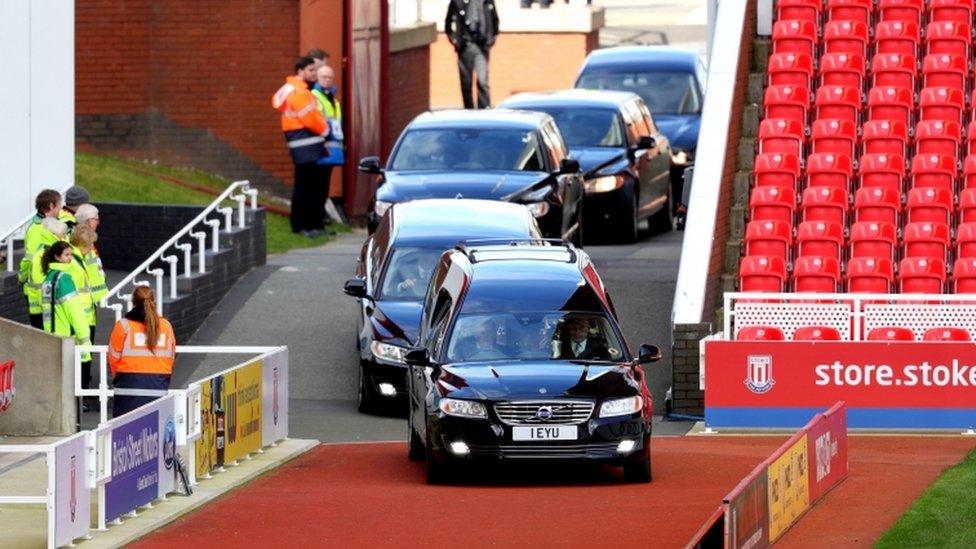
{"points": [[865, 11], [854, 38], [828, 333], [916, 275], [887, 69]]}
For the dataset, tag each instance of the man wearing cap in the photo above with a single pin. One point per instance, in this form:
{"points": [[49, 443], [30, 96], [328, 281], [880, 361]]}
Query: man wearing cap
{"points": [[75, 196]]}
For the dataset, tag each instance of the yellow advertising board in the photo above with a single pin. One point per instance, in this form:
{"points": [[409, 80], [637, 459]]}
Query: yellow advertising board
{"points": [[206, 445], [788, 489], [242, 402]]}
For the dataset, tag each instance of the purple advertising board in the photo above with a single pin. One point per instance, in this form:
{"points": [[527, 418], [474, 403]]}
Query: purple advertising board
{"points": [[135, 466]]}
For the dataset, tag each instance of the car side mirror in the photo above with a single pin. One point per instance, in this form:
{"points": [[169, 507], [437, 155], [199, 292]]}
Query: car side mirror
{"points": [[649, 354], [370, 164], [417, 356], [355, 287], [568, 166], [646, 142]]}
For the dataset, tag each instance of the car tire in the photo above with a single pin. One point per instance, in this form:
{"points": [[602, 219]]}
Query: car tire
{"points": [[437, 472], [367, 398], [627, 229], [663, 220], [640, 471], [415, 447]]}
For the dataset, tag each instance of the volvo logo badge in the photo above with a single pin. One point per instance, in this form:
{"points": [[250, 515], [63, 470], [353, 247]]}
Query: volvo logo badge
{"points": [[544, 413]]}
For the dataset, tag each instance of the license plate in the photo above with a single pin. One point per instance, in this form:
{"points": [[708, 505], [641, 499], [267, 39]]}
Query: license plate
{"points": [[546, 432]]}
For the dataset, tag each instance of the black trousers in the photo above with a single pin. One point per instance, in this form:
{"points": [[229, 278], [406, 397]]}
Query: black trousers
{"points": [[473, 59], [325, 172], [86, 366], [307, 211]]}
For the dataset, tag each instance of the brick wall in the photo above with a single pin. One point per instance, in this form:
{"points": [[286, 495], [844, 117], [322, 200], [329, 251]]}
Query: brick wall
{"points": [[186, 81], [409, 89], [518, 62]]}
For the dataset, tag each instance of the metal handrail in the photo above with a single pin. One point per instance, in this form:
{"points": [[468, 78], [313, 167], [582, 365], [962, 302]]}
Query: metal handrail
{"points": [[7, 237], [170, 248]]}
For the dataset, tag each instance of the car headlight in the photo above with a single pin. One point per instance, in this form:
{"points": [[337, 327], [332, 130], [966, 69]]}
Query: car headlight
{"points": [[538, 209], [387, 352], [463, 408], [621, 406], [603, 184], [381, 207], [682, 158]]}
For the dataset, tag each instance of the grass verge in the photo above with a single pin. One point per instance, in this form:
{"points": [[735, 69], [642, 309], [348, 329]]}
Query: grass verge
{"points": [[111, 179], [943, 516]]}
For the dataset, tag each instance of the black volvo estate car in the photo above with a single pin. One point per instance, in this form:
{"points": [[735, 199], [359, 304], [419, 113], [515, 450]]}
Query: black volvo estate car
{"points": [[520, 357], [492, 154], [394, 268], [626, 160]]}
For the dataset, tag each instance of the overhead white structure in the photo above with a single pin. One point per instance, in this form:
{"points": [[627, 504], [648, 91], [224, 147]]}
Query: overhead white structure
{"points": [[37, 102]]}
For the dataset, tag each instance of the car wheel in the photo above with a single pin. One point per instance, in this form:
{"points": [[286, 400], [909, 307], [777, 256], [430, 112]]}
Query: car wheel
{"points": [[415, 446], [367, 398], [436, 471], [640, 471], [663, 220], [627, 217]]}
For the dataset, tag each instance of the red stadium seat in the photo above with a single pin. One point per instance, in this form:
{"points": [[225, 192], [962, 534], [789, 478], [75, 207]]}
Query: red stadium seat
{"points": [[816, 333], [889, 103], [850, 37], [948, 37], [834, 136], [894, 70], [965, 241], [762, 274], [838, 102], [921, 275], [971, 138], [884, 137], [850, 10], [967, 206], [897, 37], [877, 205], [929, 204], [960, 11], [969, 172], [781, 136], [795, 36], [769, 238], [789, 102], [934, 170], [923, 239], [938, 137], [891, 333], [816, 274], [777, 169], [825, 204], [941, 103], [829, 170], [901, 10], [759, 333], [820, 238], [870, 275], [841, 69], [772, 203], [945, 70], [885, 171], [947, 334], [871, 239], [790, 69], [805, 10], [964, 276]]}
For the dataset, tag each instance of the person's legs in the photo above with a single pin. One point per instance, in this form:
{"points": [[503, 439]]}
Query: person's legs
{"points": [[481, 68], [303, 198], [326, 176], [296, 202], [465, 69]]}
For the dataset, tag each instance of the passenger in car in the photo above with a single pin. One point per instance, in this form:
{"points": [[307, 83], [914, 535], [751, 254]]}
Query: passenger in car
{"points": [[578, 343], [413, 277], [485, 345]]}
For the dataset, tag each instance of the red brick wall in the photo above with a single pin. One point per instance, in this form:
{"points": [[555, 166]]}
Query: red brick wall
{"points": [[409, 89]]}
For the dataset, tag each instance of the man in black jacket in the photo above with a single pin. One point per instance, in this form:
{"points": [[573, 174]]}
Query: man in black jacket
{"points": [[472, 26]]}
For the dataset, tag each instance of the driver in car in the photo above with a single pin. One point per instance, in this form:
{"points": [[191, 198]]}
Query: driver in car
{"points": [[413, 277], [577, 344]]}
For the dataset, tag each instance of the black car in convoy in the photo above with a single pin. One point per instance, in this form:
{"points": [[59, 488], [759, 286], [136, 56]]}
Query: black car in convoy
{"points": [[520, 357], [626, 160], [495, 154], [392, 274]]}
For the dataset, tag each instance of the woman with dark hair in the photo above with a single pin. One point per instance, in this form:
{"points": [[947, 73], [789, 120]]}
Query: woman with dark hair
{"points": [[141, 354], [62, 307]]}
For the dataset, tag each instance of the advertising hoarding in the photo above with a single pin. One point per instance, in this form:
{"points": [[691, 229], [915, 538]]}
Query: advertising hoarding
{"points": [[788, 488], [242, 402], [72, 497], [747, 515], [274, 393], [135, 465], [827, 453]]}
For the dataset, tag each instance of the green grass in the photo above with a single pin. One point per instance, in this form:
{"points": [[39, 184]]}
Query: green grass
{"points": [[944, 516], [111, 179]]}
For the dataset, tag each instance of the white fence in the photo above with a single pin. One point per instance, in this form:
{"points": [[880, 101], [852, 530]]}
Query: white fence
{"points": [[169, 252]]}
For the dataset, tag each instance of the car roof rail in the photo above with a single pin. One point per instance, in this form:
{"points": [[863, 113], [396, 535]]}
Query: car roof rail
{"points": [[470, 247]]}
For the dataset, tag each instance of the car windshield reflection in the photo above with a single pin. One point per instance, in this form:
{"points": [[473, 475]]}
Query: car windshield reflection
{"points": [[587, 127], [469, 150], [664, 92], [408, 273]]}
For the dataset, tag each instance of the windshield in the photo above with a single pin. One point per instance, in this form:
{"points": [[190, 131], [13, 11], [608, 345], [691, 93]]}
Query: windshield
{"points": [[664, 92], [469, 149], [587, 127], [533, 336], [408, 272]]}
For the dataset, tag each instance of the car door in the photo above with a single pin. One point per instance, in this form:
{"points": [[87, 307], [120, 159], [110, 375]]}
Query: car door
{"points": [[570, 185], [657, 161], [438, 303]]}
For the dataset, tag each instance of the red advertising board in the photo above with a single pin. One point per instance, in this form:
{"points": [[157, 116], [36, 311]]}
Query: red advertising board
{"points": [[885, 385], [827, 451]]}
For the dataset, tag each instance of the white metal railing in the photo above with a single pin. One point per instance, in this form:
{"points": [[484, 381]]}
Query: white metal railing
{"points": [[853, 315], [8, 237], [169, 251]]}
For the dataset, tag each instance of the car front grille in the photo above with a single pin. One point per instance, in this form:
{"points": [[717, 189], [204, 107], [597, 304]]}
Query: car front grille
{"points": [[563, 412]]}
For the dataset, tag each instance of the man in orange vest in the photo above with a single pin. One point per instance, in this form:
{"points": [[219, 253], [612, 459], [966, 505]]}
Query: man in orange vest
{"points": [[305, 129]]}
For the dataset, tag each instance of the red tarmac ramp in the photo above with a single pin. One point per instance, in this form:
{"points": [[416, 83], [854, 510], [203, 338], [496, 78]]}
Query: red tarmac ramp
{"points": [[369, 494]]}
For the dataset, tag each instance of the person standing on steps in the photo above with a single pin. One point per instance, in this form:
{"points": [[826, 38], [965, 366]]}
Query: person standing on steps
{"points": [[472, 26]]}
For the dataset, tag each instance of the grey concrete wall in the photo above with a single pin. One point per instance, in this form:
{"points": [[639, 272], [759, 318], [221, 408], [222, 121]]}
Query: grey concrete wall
{"points": [[43, 379]]}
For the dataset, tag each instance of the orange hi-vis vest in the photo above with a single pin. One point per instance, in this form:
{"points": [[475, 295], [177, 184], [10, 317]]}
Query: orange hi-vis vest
{"points": [[129, 354], [303, 124]]}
